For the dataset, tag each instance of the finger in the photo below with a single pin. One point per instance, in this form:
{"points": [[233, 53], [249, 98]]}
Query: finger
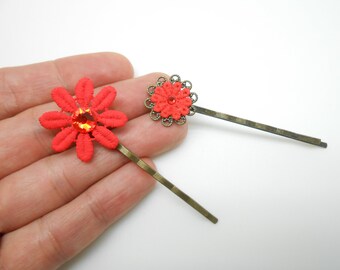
{"points": [[55, 180], [28, 86], [32, 142], [60, 235]]}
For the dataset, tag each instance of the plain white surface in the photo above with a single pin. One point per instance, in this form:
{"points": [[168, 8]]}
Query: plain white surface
{"points": [[276, 62]]}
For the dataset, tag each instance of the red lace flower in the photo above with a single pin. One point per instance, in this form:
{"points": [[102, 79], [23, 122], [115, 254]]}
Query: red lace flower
{"points": [[83, 119], [170, 100]]}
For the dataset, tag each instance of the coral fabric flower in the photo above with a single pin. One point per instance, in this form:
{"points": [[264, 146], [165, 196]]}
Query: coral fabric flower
{"points": [[170, 100], [83, 119]]}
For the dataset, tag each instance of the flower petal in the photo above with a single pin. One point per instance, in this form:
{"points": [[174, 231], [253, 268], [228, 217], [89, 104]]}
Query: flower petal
{"points": [[112, 118], [63, 99], [64, 139], [185, 102], [84, 147], [168, 89], [159, 106], [158, 98], [105, 137], [184, 110], [104, 98], [166, 112], [53, 120], [160, 91], [184, 93], [177, 87], [176, 115], [84, 92]]}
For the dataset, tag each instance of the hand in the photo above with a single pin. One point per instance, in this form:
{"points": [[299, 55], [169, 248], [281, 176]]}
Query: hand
{"points": [[52, 205]]}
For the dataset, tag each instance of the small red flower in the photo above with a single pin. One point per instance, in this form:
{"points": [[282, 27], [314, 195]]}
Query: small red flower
{"points": [[83, 119], [171, 100]]}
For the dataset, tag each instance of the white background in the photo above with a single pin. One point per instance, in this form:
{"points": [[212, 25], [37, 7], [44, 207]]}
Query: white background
{"points": [[276, 62]]}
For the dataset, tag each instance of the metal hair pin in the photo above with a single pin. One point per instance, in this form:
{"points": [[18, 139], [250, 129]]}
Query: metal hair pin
{"points": [[172, 100], [86, 118]]}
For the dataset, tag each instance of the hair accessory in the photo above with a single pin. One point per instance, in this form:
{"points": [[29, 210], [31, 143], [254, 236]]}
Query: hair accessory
{"points": [[171, 101], [86, 118]]}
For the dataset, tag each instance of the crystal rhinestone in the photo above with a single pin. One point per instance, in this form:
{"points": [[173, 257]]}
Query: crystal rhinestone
{"points": [[83, 120]]}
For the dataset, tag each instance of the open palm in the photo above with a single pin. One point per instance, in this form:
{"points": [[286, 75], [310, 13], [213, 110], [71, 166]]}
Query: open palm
{"points": [[52, 205]]}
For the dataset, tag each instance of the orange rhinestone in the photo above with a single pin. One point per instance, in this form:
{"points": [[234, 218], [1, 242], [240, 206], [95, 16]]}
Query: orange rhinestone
{"points": [[83, 120]]}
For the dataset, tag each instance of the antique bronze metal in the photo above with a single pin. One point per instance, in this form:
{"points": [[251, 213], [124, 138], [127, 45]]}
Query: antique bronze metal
{"points": [[161, 179], [259, 126]]}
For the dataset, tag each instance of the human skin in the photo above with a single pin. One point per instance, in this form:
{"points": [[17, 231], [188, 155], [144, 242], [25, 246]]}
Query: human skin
{"points": [[52, 205]]}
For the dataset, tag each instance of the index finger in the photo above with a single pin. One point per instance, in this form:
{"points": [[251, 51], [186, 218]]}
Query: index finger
{"points": [[27, 86]]}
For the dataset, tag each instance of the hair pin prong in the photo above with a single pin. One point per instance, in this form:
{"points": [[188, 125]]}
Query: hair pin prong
{"points": [[161, 179], [259, 126]]}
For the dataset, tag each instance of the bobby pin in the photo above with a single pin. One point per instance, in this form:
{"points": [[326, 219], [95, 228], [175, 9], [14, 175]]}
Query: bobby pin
{"points": [[86, 118], [172, 100]]}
